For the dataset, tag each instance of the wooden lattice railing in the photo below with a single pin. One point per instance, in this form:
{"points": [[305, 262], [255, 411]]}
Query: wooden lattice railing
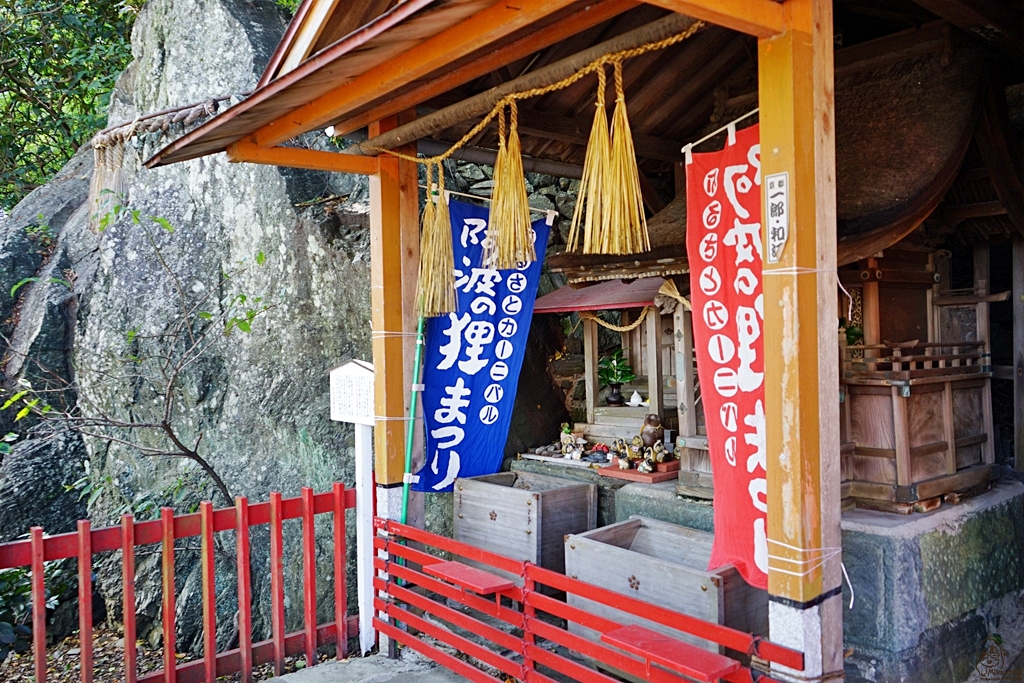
{"points": [[86, 542], [905, 362]]}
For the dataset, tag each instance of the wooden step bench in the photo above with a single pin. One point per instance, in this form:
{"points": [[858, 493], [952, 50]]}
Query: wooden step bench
{"points": [[657, 648], [468, 578]]}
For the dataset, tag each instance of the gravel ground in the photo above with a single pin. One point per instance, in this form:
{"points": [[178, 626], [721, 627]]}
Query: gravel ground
{"points": [[108, 653]]}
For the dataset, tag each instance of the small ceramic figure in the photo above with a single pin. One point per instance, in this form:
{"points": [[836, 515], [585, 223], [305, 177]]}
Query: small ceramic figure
{"points": [[659, 452], [625, 463], [636, 449], [652, 430], [646, 466], [566, 435]]}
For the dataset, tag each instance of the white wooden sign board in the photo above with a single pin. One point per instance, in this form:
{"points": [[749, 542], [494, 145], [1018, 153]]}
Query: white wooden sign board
{"points": [[777, 199], [352, 401], [352, 392]]}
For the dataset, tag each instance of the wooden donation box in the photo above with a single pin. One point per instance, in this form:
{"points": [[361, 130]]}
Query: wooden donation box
{"points": [[915, 424], [667, 565], [523, 515]]}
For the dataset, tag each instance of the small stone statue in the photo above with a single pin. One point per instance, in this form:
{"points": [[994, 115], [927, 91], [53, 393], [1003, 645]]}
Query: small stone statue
{"points": [[652, 430]]}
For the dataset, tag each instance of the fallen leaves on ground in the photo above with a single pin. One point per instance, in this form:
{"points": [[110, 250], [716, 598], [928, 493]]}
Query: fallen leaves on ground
{"points": [[64, 659]]}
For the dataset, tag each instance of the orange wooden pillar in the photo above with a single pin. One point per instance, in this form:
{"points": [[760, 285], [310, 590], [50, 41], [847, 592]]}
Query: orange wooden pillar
{"points": [[394, 255], [801, 381]]}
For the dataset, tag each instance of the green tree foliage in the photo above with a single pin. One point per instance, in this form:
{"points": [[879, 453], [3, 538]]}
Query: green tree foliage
{"points": [[58, 63]]}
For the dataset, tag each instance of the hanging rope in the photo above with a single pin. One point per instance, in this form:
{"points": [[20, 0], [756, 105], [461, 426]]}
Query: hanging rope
{"points": [[615, 221], [597, 64], [587, 315]]}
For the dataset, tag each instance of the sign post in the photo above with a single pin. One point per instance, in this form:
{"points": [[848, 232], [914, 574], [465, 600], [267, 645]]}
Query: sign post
{"points": [[352, 402]]}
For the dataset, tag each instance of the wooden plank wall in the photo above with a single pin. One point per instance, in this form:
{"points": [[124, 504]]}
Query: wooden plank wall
{"points": [[1018, 351]]}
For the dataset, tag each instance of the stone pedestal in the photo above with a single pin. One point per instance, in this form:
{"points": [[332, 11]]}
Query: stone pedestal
{"points": [[928, 588]]}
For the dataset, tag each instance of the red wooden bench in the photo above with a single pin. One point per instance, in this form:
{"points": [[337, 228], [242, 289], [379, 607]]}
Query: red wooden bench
{"points": [[469, 578], [673, 654]]}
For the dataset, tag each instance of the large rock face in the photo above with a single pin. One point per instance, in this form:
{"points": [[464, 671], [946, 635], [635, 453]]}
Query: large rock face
{"points": [[257, 401]]}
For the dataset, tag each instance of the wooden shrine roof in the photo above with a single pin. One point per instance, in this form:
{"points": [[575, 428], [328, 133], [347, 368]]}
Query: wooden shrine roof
{"points": [[907, 105], [611, 295]]}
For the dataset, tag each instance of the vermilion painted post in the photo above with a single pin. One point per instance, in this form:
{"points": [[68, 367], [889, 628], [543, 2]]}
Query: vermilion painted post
{"points": [[128, 595], [208, 565], [168, 608], [38, 604], [340, 584], [244, 587], [85, 599], [277, 580], [309, 574], [528, 613]]}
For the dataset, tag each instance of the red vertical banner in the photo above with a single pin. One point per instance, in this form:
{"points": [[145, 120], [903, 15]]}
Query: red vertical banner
{"points": [[723, 243]]}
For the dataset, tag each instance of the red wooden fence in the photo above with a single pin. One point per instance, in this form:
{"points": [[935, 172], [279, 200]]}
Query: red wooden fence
{"points": [[86, 542], [533, 650]]}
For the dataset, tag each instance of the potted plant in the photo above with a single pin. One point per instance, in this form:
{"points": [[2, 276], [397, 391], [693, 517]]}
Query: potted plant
{"points": [[613, 371]]}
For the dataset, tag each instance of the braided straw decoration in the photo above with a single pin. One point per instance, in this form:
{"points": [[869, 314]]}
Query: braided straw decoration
{"points": [[587, 315], [509, 240], [623, 224], [435, 286], [592, 186]]}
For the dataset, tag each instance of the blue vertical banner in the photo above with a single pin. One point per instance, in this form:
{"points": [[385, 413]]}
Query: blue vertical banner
{"points": [[473, 356]]}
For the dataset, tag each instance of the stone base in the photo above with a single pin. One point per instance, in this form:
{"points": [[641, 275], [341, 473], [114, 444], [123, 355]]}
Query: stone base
{"points": [[928, 588], [606, 488], [659, 501]]}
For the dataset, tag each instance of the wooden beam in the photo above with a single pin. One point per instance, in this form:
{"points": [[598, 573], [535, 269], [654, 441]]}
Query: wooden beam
{"points": [[871, 319], [801, 381], [479, 155], [550, 35], [761, 18], [590, 381], [655, 391], [956, 214], [993, 21], [685, 375], [390, 226], [475, 33], [565, 129], [313, 21], [650, 195], [982, 286], [297, 157], [481, 104], [1018, 351]]}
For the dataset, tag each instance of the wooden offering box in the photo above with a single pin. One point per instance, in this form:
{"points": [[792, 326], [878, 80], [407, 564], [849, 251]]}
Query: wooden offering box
{"points": [[915, 423], [666, 565], [523, 515]]}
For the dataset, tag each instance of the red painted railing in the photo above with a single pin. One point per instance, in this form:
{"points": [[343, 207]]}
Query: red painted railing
{"points": [[522, 654], [86, 542]]}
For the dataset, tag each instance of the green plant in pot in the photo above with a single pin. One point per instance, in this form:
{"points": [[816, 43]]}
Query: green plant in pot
{"points": [[613, 371]]}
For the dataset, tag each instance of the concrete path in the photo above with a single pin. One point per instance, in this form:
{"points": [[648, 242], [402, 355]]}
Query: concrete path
{"points": [[373, 669]]}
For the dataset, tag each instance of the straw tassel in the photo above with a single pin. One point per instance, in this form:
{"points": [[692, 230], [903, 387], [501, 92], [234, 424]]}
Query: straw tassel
{"points": [[593, 191], [509, 240], [623, 225], [436, 282]]}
